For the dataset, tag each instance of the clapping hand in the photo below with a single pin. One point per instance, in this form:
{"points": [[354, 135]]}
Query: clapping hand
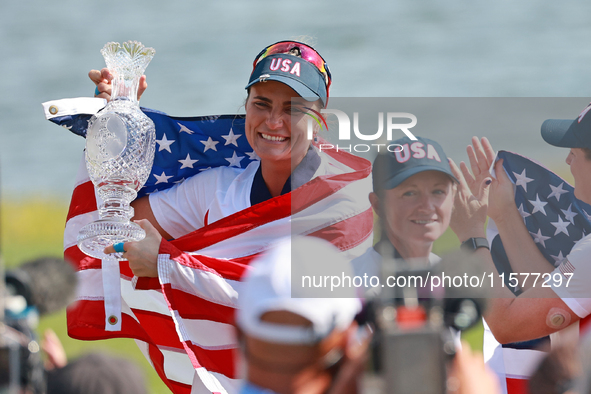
{"points": [[471, 200]]}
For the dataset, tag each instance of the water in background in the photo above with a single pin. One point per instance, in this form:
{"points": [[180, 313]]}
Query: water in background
{"points": [[204, 52]]}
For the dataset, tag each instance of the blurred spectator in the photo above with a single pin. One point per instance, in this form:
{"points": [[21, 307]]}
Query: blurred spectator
{"points": [[96, 373], [93, 373], [298, 345], [469, 375], [558, 371]]}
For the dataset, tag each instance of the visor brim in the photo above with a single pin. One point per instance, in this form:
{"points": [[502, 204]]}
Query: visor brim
{"points": [[557, 132], [301, 89], [401, 177]]}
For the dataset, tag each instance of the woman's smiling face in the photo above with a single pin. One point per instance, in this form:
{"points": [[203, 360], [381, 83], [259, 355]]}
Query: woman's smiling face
{"points": [[418, 210], [276, 125]]}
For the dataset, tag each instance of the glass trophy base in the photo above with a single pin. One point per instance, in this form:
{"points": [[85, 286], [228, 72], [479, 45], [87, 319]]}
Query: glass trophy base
{"points": [[96, 236]]}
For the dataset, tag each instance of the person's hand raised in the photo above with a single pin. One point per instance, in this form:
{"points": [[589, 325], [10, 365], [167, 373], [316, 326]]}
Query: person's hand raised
{"points": [[103, 78], [481, 155], [502, 194]]}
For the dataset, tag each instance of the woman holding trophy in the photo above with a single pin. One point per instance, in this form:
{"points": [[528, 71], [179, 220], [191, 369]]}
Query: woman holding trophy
{"points": [[284, 75], [221, 218]]}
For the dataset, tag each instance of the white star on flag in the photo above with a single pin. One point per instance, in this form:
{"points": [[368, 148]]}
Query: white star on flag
{"points": [[558, 259], [522, 180], [569, 214], [231, 138], [561, 227], [582, 236], [538, 205], [234, 160], [164, 144], [253, 156], [162, 178], [557, 191], [187, 163], [184, 129], [209, 144], [539, 238], [523, 212]]}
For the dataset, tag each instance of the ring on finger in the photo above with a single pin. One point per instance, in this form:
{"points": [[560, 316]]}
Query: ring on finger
{"points": [[119, 247]]}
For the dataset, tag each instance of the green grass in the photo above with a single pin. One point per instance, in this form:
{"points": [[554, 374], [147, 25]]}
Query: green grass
{"points": [[34, 228]]}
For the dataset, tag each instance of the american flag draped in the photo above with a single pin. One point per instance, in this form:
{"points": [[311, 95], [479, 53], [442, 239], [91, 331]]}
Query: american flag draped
{"points": [[182, 322], [556, 220]]}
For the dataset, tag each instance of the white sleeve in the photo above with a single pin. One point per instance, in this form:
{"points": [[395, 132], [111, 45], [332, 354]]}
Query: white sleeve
{"points": [[574, 289], [181, 209]]}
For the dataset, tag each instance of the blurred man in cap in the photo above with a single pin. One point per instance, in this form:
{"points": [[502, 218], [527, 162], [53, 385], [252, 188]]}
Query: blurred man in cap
{"points": [[292, 344]]}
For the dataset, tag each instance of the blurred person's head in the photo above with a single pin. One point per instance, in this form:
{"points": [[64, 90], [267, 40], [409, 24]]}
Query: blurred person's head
{"points": [[97, 373], [576, 135], [292, 344], [557, 372], [413, 194]]}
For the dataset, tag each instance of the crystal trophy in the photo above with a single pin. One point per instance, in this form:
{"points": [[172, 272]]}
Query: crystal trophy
{"points": [[120, 146]]}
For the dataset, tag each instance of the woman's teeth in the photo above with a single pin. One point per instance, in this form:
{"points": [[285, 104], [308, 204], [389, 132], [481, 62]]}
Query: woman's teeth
{"points": [[272, 137], [423, 221]]}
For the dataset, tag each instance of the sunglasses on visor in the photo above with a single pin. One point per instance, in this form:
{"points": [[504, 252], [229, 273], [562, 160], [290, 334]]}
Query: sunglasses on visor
{"points": [[298, 49]]}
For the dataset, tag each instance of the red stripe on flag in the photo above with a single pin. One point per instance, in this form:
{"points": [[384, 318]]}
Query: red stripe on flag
{"points": [[274, 209], [157, 359], [517, 386], [81, 261], [220, 361], [145, 283], [355, 162], [348, 233], [86, 321], [231, 269], [584, 326], [160, 327], [178, 388], [227, 269], [83, 200], [190, 306], [321, 187], [238, 223]]}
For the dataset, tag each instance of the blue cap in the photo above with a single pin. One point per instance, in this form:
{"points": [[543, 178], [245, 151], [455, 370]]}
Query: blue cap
{"points": [[567, 133], [390, 169], [296, 72]]}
